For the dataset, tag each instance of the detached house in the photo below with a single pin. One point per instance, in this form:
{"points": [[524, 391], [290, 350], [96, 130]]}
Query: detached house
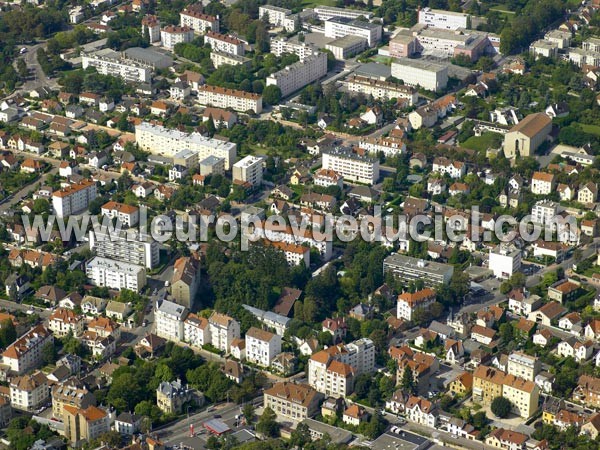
{"points": [[542, 183]]}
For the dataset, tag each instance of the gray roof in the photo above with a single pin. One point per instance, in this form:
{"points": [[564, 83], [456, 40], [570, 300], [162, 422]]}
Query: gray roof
{"points": [[338, 435], [173, 388], [172, 309], [268, 316], [374, 70]]}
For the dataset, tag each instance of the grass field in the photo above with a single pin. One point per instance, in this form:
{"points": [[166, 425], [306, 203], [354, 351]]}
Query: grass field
{"points": [[313, 3], [591, 129], [483, 142]]}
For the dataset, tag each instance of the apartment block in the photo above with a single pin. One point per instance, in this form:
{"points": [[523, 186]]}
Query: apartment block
{"points": [[505, 260], [275, 233], [249, 170], [109, 62], [338, 27], [196, 330], [299, 74], [408, 269], [172, 35], [25, 353], [448, 20], [219, 58], [291, 401], [152, 24], [262, 346], [185, 281], [408, 303], [416, 72], [70, 393], [126, 214], [523, 366], [294, 254], [381, 89], [199, 22], [280, 45], [84, 425], [329, 12], [74, 198], [128, 246], [279, 17], [223, 330], [224, 43], [63, 321], [235, 99], [351, 166], [170, 318], [116, 274], [164, 141], [29, 392]]}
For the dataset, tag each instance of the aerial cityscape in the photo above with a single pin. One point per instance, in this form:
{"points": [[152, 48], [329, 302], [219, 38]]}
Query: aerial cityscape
{"points": [[300, 224]]}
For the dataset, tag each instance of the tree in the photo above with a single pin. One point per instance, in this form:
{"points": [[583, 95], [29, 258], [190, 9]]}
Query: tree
{"points": [[248, 412], [408, 380], [267, 425], [501, 407], [49, 353], [22, 68], [8, 333], [272, 95]]}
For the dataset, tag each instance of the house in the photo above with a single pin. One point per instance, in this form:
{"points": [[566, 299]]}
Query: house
{"points": [[570, 321], [421, 411], [361, 312], [337, 327], [220, 117], [454, 351], [118, 310], [16, 286], [408, 303], [262, 346], [93, 306], [127, 424], [591, 428], [580, 351], [507, 439], [547, 314], [64, 321], [397, 402], [587, 193], [354, 415], [592, 330], [454, 169], [372, 116], [462, 384], [588, 391], [233, 370], [542, 183], [150, 346], [565, 192], [542, 337], [293, 402], [171, 396], [31, 166]]}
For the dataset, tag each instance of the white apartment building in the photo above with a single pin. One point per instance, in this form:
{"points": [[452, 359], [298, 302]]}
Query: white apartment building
{"points": [[125, 245], [63, 321], [277, 234], [235, 99], [196, 331], [279, 17], [381, 89], [249, 170], [198, 21], [116, 274], [160, 140], [29, 392], [74, 198], [360, 355], [262, 346], [169, 319], [109, 62], [544, 212], [294, 254], [126, 214], [409, 302], [448, 20], [224, 43], [415, 72], [505, 260], [25, 353], [351, 166], [299, 74], [223, 330], [172, 35], [338, 27], [542, 183], [329, 12], [280, 45], [523, 365], [389, 146], [219, 58], [152, 24]]}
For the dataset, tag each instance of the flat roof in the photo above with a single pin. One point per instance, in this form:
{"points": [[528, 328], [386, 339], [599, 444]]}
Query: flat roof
{"points": [[216, 426], [374, 70], [337, 435], [423, 265], [354, 23], [347, 41], [398, 441], [420, 64]]}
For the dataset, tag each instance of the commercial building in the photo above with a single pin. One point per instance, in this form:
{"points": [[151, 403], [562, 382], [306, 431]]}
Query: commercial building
{"points": [[416, 72], [505, 260], [347, 46], [172, 35], [299, 74], [25, 353], [160, 140], [407, 268], [185, 281], [109, 62], [224, 43], [381, 89], [223, 330], [219, 58], [329, 12], [338, 27], [280, 45], [128, 246], [74, 198], [116, 274], [235, 99], [526, 137], [248, 170], [262, 346], [448, 20], [351, 166], [170, 320], [199, 22], [84, 425], [448, 44], [292, 401]]}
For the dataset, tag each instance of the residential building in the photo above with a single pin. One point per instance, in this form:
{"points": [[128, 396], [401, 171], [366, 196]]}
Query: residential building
{"points": [[421, 411], [74, 198], [127, 423], [527, 136], [291, 401], [29, 392], [25, 353], [416, 72], [545, 212], [523, 395], [351, 166], [408, 269], [84, 425], [297, 75], [338, 27], [587, 193], [223, 330], [355, 415], [279, 17], [63, 321], [118, 311], [408, 303], [262, 346], [170, 320], [523, 366], [507, 439], [160, 140], [235, 99], [72, 393], [347, 46], [385, 90], [280, 45], [199, 22], [125, 245], [248, 170], [185, 281], [115, 274], [109, 62], [542, 183], [327, 12], [152, 24], [171, 396], [128, 215], [224, 43], [219, 59], [505, 260], [172, 35]]}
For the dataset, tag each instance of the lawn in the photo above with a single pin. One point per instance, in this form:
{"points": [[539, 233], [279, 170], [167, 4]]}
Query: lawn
{"points": [[591, 129], [483, 142], [313, 3]]}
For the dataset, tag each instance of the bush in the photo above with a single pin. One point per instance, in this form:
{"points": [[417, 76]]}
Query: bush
{"points": [[501, 407]]}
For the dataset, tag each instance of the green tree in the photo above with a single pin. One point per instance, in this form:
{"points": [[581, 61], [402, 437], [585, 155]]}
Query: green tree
{"points": [[248, 412], [8, 333], [271, 95], [267, 425], [501, 407], [408, 380], [49, 353]]}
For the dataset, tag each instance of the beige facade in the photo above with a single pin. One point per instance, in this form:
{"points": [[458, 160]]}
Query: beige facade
{"points": [[526, 137], [291, 401]]}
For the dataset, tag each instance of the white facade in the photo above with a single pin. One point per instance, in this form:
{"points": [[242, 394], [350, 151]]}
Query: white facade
{"points": [[25, 353], [196, 331], [108, 62], [352, 167], [172, 35], [127, 246], [160, 140], [29, 392], [224, 98], [224, 43], [170, 318], [339, 27], [544, 212], [505, 261], [279, 17], [329, 12], [414, 72], [262, 346], [249, 169], [299, 74], [219, 58], [279, 46], [223, 330], [199, 22], [448, 20], [74, 198], [381, 89], [116, 274]]}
